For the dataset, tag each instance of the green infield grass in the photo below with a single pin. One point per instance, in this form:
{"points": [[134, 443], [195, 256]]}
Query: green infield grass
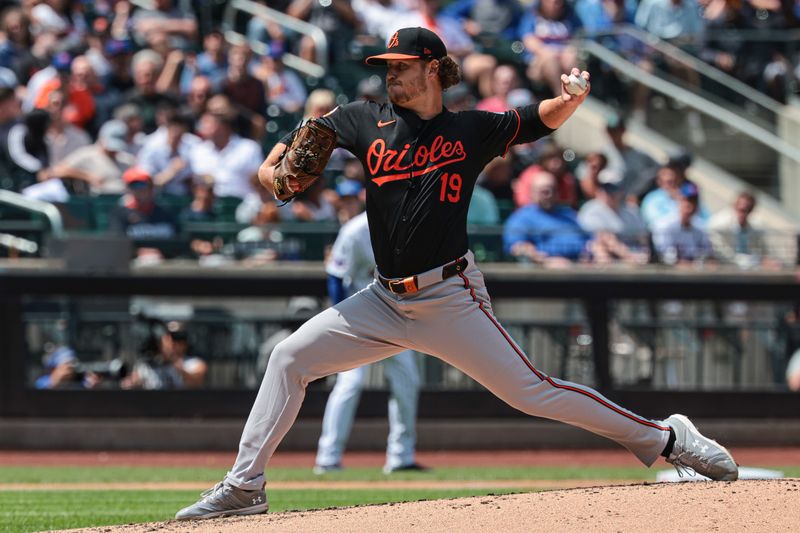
{"points": [[44, 508], [115, 474], [127, 474]]}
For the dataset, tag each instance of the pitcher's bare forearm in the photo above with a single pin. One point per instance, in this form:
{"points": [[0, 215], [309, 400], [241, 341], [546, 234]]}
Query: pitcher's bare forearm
{"points": [[267, 169], [555, 111]]}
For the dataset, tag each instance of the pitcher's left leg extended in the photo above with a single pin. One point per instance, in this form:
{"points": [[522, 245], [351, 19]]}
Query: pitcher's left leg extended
{"points": [[456, 323]]}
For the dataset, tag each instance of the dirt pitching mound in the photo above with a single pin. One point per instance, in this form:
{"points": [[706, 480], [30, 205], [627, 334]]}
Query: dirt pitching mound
{"points": [[676, 507]]}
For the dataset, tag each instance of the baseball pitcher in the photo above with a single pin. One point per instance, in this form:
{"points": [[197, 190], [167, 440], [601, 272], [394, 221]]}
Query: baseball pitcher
{"points": [[421, 162]]}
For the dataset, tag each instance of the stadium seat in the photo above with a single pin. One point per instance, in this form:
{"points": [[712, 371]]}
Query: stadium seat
{"points": [[349, 74], [78, 213], [279, 123], [311, 239], [210, 230], [173, 204], [486, 242], [505, 206], [102, 205], [225, 208]]}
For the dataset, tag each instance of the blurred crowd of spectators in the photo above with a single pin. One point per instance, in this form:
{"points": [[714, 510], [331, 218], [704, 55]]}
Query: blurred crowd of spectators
{"points": [[155, 110], [609, 213]]}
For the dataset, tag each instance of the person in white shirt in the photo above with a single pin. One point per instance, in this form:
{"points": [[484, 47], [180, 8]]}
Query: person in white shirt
{"points": [[739, 238], [163, 114], [232, 160], [350, 268], [618, 228], [100, 165], [167, 160]]}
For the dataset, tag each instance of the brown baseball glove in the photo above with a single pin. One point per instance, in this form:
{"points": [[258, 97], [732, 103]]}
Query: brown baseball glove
{"points": [[304, 160]]}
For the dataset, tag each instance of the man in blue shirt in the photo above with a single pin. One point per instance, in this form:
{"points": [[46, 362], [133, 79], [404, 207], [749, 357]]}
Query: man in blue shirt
{"points": [[681, 237], [678, 21], [544, 232], [487, 17]]}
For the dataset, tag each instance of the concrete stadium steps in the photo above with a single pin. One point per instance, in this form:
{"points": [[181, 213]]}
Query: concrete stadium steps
{"points": [[755, 163]]}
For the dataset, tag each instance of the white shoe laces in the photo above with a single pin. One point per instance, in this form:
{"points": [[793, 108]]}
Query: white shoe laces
{"points": [[685, 459], [210, 493], [683, 468]]}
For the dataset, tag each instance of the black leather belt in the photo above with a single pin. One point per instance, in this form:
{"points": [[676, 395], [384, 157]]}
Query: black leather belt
{"points": [[412, 284]]}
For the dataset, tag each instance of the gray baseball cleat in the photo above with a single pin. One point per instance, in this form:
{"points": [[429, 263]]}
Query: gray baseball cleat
{"points": [[224, 500], [325, 469], [411, 467], [693, 452]]}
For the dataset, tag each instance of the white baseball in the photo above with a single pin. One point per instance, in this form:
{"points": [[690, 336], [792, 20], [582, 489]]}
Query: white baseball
{"points": [[576, 85]]}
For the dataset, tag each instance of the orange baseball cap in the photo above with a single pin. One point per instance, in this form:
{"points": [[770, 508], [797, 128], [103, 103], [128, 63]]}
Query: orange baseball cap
{"points": [[136, 174]]}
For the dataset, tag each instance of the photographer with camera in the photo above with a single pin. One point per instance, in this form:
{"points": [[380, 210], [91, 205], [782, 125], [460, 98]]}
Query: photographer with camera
{"points": [[64, 371], [171, 367]]}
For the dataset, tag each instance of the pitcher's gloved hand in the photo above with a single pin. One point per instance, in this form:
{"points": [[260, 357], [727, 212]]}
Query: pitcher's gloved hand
{"points": [[305, 159]]}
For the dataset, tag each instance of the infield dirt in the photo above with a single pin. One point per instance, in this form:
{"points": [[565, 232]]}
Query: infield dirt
{"points": [[768, 506]]}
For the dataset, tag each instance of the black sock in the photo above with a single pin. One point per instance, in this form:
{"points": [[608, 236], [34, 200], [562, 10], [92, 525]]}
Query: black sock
{"points": [[670, 443]]}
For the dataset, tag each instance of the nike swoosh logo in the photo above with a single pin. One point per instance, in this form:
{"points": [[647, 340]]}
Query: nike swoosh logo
{"points": [[382, 123]]}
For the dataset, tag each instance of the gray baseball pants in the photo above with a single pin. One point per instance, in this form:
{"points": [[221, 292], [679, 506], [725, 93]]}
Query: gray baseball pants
{"points": [[451, 320]]}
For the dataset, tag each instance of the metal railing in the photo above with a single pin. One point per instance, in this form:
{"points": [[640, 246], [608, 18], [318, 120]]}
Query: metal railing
{"points": [[702, 105], [35, 206], [293, 61], [788, 37], [677, 55]]}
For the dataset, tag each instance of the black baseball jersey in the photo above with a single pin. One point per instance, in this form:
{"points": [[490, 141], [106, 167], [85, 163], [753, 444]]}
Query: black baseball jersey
{"points": [[420, 174]]}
